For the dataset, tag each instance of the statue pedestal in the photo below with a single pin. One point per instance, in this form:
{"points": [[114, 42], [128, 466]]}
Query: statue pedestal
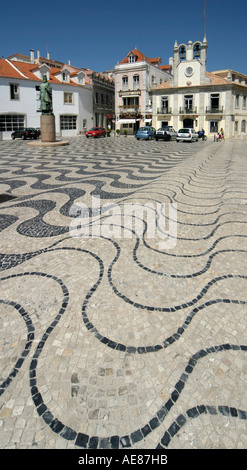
{"points": [[47, 125]]}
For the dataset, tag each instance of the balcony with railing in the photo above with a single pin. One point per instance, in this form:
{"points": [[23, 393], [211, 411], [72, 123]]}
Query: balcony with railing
{"points": [[214, 110], [130, 108], [164, 110], [188, 110]]}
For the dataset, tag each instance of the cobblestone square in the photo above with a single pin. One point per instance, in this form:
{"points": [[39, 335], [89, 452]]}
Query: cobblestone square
{"points": [[112, 342]]}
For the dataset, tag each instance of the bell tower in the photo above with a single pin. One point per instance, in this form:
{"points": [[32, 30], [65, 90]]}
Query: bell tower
{"points": [[190, 63]]}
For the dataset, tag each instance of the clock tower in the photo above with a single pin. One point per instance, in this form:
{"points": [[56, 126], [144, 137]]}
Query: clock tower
{"points": [[190, 64]]}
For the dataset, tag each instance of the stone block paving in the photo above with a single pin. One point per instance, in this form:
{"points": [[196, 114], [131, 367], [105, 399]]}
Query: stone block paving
{"points": [[113, 337]]}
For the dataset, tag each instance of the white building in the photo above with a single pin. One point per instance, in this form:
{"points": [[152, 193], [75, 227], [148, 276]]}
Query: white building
{"points": [[135, 75], [20, 96], [196, 98]]}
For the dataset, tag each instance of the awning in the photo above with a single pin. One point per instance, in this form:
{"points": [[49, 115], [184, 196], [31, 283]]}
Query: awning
{"points": [[127, 121], [148, 120]]}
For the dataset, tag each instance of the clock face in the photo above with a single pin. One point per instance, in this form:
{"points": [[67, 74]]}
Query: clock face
{"points": [[189, 71]]}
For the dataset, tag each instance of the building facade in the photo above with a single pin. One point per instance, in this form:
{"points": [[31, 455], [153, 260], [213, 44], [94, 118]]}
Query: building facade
{"points": [[196, 98], [135, 76], [20, 97], [103, 85]]}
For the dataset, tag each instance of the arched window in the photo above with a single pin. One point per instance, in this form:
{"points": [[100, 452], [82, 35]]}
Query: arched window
{"points": [[182, 53], [197, 51]]}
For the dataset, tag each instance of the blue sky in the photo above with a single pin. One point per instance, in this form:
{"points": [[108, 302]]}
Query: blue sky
{"points": [[98, 34]]}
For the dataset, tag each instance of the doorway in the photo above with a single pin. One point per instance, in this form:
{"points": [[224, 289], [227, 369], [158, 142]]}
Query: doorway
{"points": [[188, 123]]}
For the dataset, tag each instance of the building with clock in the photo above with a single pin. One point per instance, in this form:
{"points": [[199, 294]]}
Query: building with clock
{"points": [[199, 99]]}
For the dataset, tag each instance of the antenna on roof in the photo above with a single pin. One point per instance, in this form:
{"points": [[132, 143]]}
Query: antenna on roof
{"points": [[204, 19]]}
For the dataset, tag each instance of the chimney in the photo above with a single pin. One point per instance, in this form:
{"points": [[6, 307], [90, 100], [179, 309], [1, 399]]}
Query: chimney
{"points": [[32, 56], [69, 62], [38, 55], [48, 56]]}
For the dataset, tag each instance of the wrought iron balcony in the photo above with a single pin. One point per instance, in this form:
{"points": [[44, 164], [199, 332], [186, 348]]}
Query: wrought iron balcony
{"points": [[164, 110], [131, 108], [188, 110], [213, 110]]}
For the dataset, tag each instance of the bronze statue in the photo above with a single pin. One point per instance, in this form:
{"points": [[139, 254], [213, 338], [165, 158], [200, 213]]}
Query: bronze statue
{"points": [[46, 97]]}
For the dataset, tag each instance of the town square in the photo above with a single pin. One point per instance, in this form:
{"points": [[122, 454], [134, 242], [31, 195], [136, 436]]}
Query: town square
{"points": [[115, 342], [123, 215]]}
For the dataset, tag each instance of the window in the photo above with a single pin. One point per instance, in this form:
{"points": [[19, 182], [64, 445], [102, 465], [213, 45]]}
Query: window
{"points": [[131, 58], [65, 77], [164, 103], [68, 122], [237, 101], [14, 91], [236, 126], [125, 82], [131, 101], [188, 102], [81, 79], [215, 99], [243, 126], [68, 98], [84, 123], [37, 91], [10, 122], [244, 101], [136, 82], [214, 126]]}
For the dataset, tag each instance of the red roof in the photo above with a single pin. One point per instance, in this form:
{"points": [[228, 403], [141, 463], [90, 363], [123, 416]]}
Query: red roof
{"points": [[7, 70], [139, 57], [25, 70]]}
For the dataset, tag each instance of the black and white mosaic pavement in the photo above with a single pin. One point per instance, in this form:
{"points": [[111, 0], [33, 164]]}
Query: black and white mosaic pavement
{"points": [[111, 339]]}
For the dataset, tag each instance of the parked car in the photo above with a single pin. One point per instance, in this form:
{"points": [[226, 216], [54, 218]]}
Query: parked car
{"points": [[166, 133], [27, 133], [146, 132], [96, 132], [187, 134]]}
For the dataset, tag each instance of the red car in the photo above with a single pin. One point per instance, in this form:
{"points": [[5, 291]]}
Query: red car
{"points": [[96, 132]]}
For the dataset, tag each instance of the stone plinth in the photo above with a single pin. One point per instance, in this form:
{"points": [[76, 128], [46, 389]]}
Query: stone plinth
{"points": [[47, 124]]}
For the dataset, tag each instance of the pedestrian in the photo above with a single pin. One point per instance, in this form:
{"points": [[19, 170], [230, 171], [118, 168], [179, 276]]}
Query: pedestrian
{"points": [[222, 133]]}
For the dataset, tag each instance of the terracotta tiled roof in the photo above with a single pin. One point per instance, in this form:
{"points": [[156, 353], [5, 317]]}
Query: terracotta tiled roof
{"points": [[7, 70], [163, 86], [139, 57], [26, 70], [214, 80], [166, 67]]}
